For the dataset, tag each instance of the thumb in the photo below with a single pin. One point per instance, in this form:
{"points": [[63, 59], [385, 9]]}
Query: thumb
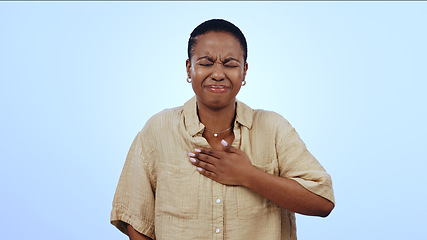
{"points": [[227, 147]]}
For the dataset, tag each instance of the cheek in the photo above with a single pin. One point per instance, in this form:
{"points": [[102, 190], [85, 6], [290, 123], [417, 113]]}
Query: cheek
{"points": [[235, 75], [200, 73]]}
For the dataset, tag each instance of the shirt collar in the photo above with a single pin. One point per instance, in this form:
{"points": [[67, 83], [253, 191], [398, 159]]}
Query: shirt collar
{"points": [[244, 116]]}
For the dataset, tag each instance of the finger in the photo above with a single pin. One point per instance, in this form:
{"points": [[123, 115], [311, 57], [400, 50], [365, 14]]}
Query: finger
{"points": [[227, 147], [202, 157], [204, 165], [209, 151], [206, 173]]}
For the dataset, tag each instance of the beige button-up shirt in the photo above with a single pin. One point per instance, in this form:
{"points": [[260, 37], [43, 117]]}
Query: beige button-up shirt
{"points": [[163, 196]]}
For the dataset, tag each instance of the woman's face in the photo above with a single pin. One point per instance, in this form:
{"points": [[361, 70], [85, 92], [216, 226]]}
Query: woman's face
{"points": [[217, 69]]}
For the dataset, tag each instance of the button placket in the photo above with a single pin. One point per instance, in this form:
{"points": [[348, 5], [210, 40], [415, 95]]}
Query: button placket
{"points": [[218, 212]]}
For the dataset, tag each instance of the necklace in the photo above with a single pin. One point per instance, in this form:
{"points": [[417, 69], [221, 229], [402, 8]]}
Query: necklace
{"points": [[216, 133]]}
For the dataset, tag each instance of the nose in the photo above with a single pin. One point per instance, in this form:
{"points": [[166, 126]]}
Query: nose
{"points": [[218, 72]]}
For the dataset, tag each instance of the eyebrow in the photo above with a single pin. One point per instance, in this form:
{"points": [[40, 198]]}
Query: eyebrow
{"points": [[231, 59], [225, 61], [206, 57]]}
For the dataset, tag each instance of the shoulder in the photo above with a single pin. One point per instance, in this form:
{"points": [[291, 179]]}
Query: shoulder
{"points": [[269, 119], [166, 118], [270, 124], [261, 120], [160, 123], [261, 114]]}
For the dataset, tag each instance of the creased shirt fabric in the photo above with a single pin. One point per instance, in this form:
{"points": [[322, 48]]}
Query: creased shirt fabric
{"points": [[162, 196]]}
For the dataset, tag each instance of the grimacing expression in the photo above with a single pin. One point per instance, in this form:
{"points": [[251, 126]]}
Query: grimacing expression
{"points": [[217, 69]]}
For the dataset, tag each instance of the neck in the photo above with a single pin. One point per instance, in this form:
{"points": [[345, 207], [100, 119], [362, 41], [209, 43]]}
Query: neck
{"points": [[217, 119]]}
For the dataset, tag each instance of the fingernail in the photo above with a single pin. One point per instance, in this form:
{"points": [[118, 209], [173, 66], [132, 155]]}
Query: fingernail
{"points": [[191, 154], [197, 150], [192, 160], [224, 143], [199, 169]]}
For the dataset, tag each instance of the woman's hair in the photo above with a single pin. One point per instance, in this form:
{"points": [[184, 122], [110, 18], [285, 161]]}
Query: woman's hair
{"points": [[217, 25]]}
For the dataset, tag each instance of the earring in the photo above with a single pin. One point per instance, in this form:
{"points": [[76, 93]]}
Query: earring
{"points": [[189, 80], [244, 83]]}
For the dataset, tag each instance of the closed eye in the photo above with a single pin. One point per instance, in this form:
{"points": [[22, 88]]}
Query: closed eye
{"points": [[231, 63]]}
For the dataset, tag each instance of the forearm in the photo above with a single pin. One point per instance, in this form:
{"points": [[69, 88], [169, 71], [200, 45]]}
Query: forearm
{"points": [[135, 235], [287, 193]]}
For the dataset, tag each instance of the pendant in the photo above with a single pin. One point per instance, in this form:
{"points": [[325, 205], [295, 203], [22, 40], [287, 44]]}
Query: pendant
{"points": [[215, 134]]}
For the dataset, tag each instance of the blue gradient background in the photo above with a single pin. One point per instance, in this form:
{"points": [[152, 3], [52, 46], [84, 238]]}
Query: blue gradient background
{"points": [[80, 79]]}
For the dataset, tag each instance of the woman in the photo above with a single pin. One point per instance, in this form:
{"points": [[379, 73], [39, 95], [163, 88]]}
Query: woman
{"points": [[214, 168]]}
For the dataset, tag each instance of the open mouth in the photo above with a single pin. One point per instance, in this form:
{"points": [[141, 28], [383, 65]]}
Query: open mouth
{"points": [[217, 88]]}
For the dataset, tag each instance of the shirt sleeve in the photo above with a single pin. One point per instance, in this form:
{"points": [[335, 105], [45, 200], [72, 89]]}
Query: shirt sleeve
{"points": [[297, 163], [134, 198]]}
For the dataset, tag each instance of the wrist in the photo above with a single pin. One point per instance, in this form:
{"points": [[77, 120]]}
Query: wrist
{"points": [[250, 176]]}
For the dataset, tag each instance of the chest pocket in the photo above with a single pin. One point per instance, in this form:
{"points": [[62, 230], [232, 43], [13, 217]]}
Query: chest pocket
{"points": [[177, 192], [251, 204]]}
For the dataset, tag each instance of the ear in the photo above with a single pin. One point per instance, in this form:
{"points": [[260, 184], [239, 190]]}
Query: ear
{"points": [[188, 66], [245, 69]]}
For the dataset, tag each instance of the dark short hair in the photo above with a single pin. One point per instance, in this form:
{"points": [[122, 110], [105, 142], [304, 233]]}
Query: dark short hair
{"points": [[217, 25]]}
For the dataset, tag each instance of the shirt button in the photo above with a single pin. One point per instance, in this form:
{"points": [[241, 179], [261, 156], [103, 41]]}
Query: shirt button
{"points": [[218, 200], [217, 230]]}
